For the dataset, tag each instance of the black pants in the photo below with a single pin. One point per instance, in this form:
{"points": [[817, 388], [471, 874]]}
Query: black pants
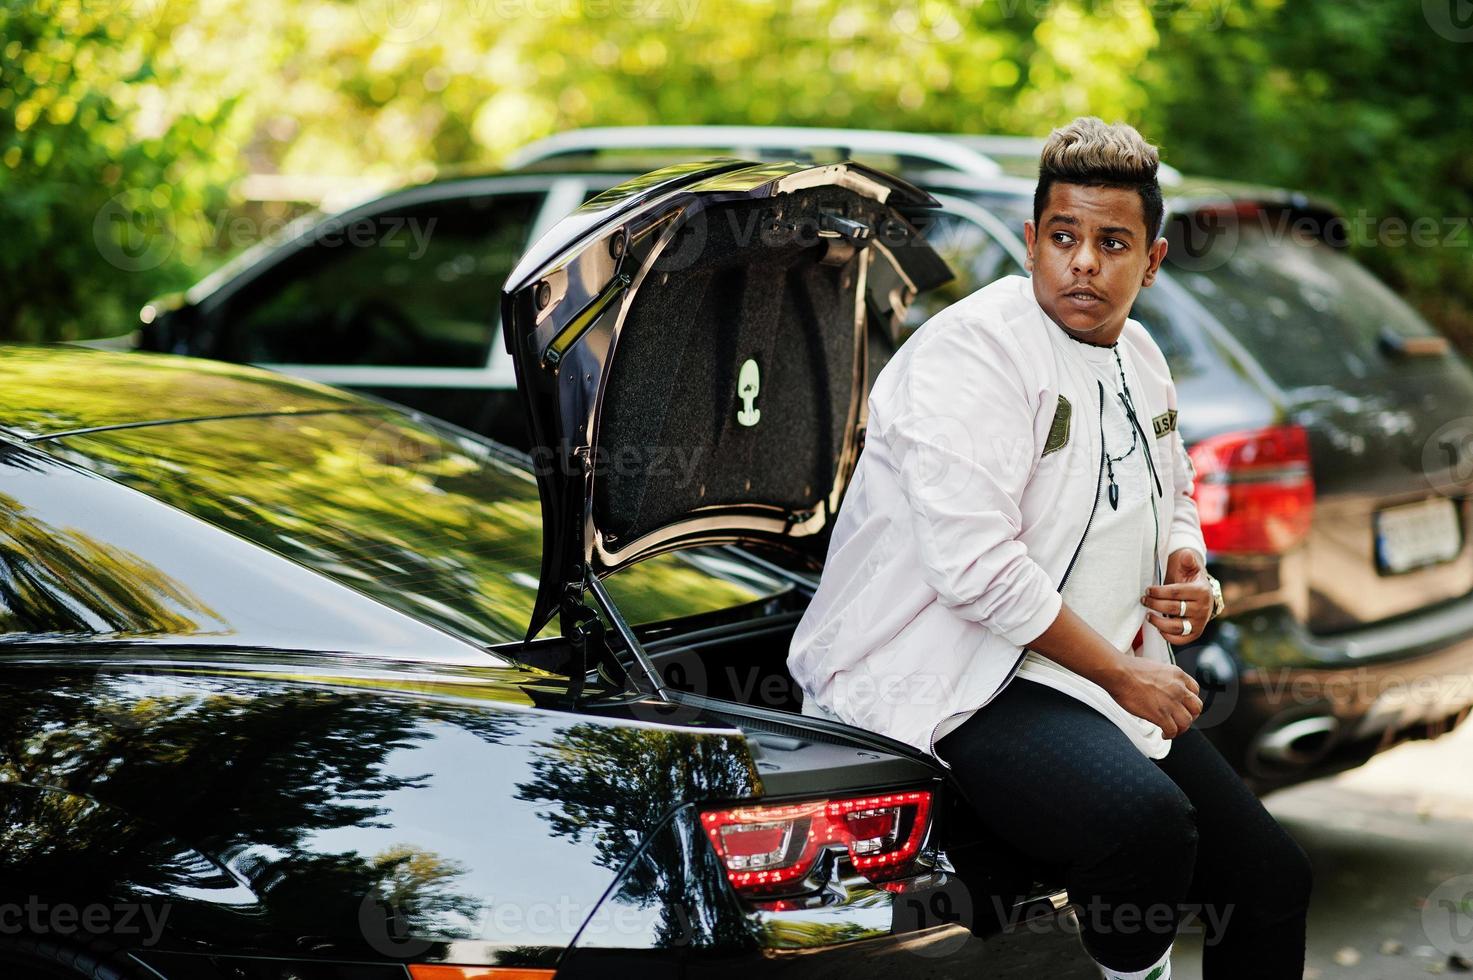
{"points": [[1140, 842]]}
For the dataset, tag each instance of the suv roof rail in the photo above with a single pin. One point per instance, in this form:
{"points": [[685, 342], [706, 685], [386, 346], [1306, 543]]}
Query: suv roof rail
{"points": [[1031, 147], [756, 141]]}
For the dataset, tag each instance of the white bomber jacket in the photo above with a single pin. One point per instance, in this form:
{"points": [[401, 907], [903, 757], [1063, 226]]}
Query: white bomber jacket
{"points": [[978, 480]]}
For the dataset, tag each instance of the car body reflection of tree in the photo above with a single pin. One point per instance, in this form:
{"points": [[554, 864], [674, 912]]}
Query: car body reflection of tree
{"points": [[613, 787], [62, 580]]}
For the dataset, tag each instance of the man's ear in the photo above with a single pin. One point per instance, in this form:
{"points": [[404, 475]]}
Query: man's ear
{"points": [[1158, 253], [1029, 234]]}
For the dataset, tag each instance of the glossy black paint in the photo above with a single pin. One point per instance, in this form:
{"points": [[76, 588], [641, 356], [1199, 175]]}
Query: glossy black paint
{"points": [[331, 808], [223, 757], [423, 539]]}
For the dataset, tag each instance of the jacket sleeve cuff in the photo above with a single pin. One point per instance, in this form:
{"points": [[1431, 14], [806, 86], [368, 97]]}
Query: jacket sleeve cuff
{"points": [[1190, 541], [1033, 627]]}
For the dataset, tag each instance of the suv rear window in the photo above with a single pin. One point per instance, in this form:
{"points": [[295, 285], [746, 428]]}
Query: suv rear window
{"points": [[1307, 312]]}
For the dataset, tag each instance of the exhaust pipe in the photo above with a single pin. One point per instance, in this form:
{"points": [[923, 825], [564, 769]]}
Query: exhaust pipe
{"points": [[1301, 742]]}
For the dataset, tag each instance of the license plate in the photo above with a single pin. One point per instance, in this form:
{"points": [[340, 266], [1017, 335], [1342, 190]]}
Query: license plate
{"points": [[1414, 535]]}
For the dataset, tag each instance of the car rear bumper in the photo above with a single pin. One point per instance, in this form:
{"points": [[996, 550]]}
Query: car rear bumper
{"points": [[1288, 705], [1044, 944], [672, 914]]}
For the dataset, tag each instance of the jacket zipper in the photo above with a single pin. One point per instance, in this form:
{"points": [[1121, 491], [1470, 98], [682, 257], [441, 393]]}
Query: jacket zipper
{"points": [[1155, 514], [1156, 564], [1099, 471]]}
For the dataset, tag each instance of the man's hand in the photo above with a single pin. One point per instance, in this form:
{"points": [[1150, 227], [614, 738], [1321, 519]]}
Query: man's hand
{"points": [[1186, 580], [1163, 694]]}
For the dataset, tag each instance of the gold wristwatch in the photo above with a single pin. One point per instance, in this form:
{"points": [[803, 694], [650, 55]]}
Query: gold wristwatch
{"points": [[1218, 604]]}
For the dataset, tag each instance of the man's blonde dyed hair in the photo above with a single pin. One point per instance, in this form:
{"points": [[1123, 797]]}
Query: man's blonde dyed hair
{"points": [[1093, 153]]}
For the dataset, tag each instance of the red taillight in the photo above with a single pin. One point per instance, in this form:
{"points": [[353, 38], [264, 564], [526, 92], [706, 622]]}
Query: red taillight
{"points": [[767, 848], [1254, 490], [437, 971]]}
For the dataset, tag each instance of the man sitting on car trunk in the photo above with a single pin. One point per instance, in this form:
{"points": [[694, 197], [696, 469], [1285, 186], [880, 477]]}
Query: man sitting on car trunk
{"points": [[1021, 482]]}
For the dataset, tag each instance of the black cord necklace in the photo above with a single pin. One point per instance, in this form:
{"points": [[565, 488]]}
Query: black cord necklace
{"points": [[1128, 403], [1114, 491], [1110, 461]]}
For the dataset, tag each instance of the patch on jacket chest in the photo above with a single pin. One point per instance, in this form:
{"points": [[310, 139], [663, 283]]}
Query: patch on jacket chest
{"points": [[1058, 432], [1164, 423]]}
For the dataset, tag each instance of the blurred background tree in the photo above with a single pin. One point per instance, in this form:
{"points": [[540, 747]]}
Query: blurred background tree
{"points": [[142, 142]]}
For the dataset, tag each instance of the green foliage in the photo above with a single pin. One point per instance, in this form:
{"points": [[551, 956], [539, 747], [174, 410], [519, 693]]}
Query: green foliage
{"points": [[1361, 101], [128, 127], [108, 147]]}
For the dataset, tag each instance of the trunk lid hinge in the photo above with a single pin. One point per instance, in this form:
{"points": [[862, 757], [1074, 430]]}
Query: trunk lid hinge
{"points": [[588, 636]]}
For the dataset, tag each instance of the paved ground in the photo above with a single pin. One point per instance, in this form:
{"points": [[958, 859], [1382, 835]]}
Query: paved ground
{"points": [[1392, 847]]}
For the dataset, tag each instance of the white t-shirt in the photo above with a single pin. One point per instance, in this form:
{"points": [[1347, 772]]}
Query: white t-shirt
{"points": [[1116, 562]]}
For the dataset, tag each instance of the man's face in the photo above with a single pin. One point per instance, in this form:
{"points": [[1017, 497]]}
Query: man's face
{"points": [[1089, 257]]}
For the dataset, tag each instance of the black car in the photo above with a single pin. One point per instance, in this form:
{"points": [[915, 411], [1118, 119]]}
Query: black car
{"points": [[393, 297], [298, 684]]}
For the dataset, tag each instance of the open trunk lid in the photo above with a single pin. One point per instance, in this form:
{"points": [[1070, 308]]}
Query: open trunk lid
{"points": [[690, 347]]}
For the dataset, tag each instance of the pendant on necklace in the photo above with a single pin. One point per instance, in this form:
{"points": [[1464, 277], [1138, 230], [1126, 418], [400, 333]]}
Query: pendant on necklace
{"points": [[1114, 496]]}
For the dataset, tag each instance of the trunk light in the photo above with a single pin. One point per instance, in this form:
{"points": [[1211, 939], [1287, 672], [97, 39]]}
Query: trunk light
{"points": [[767, 849]]}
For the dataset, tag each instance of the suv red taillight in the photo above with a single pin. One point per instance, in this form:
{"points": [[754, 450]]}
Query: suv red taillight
{"points": [[767, 848], [1254, 489]]}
